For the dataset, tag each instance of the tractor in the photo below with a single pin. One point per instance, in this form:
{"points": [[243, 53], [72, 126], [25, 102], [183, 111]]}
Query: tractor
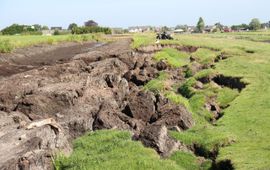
{"points": [[164, 36]]}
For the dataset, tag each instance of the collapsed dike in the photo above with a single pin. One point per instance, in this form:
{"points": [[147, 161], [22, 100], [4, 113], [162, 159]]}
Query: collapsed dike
{"points": [[44, 109]]}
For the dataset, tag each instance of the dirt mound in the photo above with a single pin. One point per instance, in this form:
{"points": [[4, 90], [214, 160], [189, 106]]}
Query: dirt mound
{"points": [[43, 109], [158, 47]]}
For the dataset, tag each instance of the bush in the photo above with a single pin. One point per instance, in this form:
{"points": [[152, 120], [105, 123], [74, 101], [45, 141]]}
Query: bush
{"points": [[18, 29], [93, 29]]}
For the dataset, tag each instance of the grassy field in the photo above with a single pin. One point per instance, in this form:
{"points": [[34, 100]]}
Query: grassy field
{"points": [[242, 135], [9, 43]]}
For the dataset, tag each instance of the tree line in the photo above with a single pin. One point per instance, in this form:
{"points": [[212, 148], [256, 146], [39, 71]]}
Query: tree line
{"points": [[89, 27], [254, 25]]}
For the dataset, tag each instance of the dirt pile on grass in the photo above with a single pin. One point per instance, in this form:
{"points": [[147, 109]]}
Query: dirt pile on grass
{"points": [[44, 109]]}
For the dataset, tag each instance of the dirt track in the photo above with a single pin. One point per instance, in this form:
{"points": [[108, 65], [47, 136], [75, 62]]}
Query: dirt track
{"points": [[26, 59]]}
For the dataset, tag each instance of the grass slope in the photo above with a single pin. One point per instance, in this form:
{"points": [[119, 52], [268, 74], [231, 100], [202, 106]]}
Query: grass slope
{"points": [[243, 132], [112, 150], [246, 121]]}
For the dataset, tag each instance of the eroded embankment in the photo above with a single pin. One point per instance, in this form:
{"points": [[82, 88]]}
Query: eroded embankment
{"points": [[198, 80], [44, 109]]}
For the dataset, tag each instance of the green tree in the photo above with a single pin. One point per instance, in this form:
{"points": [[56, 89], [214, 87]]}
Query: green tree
{"points": [[72, 26], [13, 29], [255, 24], [200, 25]]}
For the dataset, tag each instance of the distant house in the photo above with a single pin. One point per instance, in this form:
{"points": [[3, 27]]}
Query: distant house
{"points": [[191, 29], [56, 28], [90, 23], [227, 29], [134, 29], [137, 29], [209, 28], [178, 31]]}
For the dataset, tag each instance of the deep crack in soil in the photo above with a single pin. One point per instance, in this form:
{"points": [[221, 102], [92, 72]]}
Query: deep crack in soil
{"points": [[231, 82]]}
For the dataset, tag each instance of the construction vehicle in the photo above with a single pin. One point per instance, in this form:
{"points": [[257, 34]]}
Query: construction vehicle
{"points": [[164, 36]]}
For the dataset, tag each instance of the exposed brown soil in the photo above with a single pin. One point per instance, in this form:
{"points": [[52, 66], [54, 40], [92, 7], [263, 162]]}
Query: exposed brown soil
{"points": [[49, 95], [33, 57], [158, 47], [43, 109]]}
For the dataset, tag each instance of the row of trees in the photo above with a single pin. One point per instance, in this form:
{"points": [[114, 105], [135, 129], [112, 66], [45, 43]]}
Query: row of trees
{"points": [[255, 24], [24, 29], [89, 27]]}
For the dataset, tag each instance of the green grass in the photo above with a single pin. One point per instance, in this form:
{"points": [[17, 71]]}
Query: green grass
{"points": [[178, 99], [243, 131], [205, 56], [112, 150], [140, 40], [190, 162], [226, 95], [9, 43], [6, 46], [204, 73], [246, 120], [157, 85], [173, 57]]}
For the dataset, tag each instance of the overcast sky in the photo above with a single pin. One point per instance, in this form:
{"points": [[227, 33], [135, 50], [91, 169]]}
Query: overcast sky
{"points": [[124, 13]]}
